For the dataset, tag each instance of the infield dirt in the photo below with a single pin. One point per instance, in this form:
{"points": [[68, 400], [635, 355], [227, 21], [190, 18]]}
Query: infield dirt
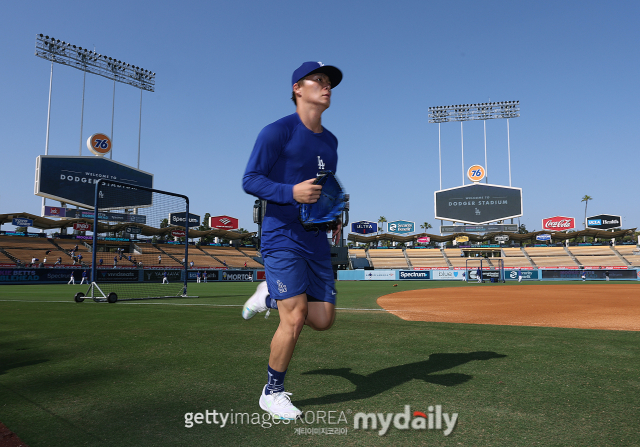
{"points": [[583, 305]]}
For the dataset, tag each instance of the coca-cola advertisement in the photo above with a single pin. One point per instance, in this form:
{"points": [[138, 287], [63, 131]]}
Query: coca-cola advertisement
{"points": [[558, 223]]}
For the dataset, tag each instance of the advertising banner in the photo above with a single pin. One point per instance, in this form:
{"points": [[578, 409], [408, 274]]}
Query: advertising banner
{"points": [[558, 223], [156, 275], [604, 221], [72, 180], [424, 240], [236, 275], [498, 228], [224, 223], [117, 275], [478, 203], [401, 227], [110, 217], [62, 275], [45, 275], [82, 226], [212, 275], [380, 275], [448, 275], [526, 274], [410, 274], [364, 227], [486, 274], [589, 274], [55, 211], [543, 237], [22, 222], [180, 219]]}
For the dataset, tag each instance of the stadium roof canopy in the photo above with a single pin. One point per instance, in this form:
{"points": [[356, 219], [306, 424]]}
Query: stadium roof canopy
{"points": [[44, 223]]}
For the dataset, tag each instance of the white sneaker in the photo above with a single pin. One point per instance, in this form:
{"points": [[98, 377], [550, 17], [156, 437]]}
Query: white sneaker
{"points": [[256, 303], [279, 405]]}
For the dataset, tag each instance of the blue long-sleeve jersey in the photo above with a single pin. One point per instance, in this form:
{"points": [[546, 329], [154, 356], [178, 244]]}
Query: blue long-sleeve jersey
{"points": [[285, 154]]}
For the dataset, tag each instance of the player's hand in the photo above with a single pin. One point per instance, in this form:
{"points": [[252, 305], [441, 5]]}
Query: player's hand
{"points": [[307, 192]]}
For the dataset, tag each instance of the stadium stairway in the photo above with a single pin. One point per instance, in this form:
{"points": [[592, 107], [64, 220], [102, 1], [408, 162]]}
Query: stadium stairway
{"points": [[406, 256], [10, 256], [59, 248], [526, 255], [572, 256], [619, 255], [167, 254], [446, 258], [210, 255]]}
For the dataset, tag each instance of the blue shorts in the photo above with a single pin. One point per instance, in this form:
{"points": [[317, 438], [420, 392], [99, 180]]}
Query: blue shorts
{"points": [[289, 274]]}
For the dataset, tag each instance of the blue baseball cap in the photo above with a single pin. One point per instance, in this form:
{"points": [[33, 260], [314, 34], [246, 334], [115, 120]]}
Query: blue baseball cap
{"points": [[307, 68]]}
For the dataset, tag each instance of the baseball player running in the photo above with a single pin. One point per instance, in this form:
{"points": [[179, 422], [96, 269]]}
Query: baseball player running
{"points": [[285, 161]]}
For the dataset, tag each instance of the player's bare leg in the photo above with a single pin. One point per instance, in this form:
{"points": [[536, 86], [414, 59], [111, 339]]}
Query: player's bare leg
{"points": [[320, 315], [293, 314]]}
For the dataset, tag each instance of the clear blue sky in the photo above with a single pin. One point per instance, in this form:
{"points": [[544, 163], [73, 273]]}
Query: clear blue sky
{"points": [[224, 69]]}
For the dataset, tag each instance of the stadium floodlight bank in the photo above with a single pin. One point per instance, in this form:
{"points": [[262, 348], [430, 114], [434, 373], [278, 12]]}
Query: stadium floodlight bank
{"points": [[125, 267], [64, 53], [473, 112]]}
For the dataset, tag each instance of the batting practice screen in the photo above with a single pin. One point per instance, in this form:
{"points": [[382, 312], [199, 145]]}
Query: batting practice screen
{"points": [[141, 257]]}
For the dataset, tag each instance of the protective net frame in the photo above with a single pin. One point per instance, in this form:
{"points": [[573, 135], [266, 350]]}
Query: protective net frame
{"points": [[142, 273], [499, 269]]}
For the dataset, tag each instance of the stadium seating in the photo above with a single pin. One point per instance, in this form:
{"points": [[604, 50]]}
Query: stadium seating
{"points": [[627, 251], [514, 258], [388, 259], [426, 257], [550, 257], [26, 248], [596, 256], [149, 256], [230, 256]]}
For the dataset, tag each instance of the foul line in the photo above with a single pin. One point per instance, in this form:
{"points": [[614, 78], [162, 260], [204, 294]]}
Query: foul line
{"points": [[196, 304]]}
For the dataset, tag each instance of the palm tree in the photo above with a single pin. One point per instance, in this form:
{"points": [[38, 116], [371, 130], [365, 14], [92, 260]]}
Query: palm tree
{"points": [[381, 221], [425, 226], [586, 199]]}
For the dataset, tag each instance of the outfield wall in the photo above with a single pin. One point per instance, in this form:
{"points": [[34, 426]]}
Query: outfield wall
{"points": [[62, 275], [509, 274]]}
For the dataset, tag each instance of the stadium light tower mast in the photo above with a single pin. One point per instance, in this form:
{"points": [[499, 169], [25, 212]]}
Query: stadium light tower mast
{"points": [[88, 61], [474, 112]]}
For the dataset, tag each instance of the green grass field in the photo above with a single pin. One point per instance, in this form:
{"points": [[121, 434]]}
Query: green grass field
{"points": [[126, 374]]}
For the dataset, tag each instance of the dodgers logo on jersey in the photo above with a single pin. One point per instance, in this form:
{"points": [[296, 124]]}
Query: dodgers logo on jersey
{"points": [[320, 163]]}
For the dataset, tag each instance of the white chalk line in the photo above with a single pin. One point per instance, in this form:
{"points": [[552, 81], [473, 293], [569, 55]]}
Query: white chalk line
{"points": [[195, 304]]}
